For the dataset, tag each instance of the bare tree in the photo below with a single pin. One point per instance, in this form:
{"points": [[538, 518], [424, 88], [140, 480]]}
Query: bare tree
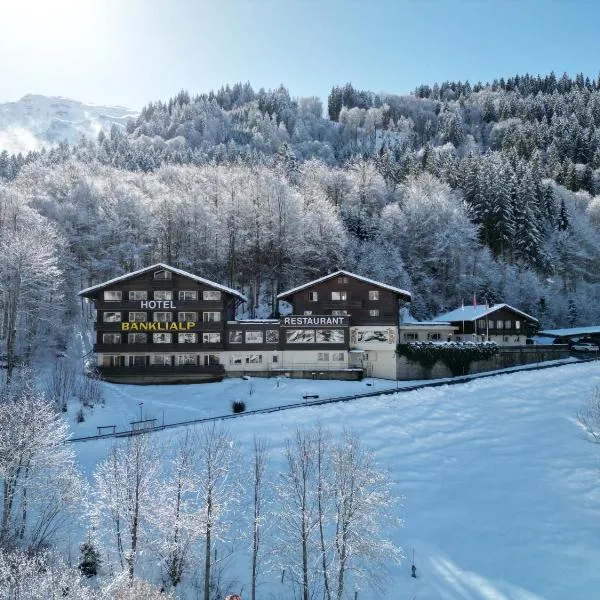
{"points": [[62, 383], [260, 458], [124, 491], [33, 452], [589, 417]]}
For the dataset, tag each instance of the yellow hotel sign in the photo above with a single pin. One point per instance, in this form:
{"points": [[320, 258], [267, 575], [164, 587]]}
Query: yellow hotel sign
{"points": [[152, 326]]}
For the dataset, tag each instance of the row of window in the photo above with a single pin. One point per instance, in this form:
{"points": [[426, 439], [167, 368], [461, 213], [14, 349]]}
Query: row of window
{"points": [[341, 295], [162, 338], [498, 324], [117, 295], [161, 317], [142, 360], [373, 312]]}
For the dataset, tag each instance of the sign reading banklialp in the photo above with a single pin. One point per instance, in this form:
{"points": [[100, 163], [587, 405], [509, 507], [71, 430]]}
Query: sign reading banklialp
{"points": [[157, 326]]}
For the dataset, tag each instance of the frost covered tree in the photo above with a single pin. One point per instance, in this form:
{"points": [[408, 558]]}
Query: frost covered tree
{"points": [[33, 451]]}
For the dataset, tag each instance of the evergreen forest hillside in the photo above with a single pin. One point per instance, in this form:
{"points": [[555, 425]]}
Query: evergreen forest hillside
{"points": [[454, 190]]}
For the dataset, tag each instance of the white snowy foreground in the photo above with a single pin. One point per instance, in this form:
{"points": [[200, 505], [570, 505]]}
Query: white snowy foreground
{"points": [[502, 490]]}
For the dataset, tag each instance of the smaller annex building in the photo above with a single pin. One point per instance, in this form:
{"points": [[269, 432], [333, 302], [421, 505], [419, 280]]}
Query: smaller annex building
{"points": [[499, 323], [162, 324]]}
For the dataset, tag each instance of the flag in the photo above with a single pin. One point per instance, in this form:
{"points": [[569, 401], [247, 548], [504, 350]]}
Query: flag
{"points": [[474, 301]]}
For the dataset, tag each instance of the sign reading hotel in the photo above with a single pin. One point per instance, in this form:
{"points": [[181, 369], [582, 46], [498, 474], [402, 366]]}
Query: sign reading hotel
{"points": [[314, 320]]}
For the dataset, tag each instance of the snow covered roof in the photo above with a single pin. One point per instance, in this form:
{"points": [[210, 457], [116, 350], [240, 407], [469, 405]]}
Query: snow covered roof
{"points": [[566, 332], [133, 274], [396, 290], [428, 324], [472, 313]]}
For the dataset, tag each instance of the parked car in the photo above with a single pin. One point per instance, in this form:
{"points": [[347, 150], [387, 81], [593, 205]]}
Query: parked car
{"points": [[584, 347]]}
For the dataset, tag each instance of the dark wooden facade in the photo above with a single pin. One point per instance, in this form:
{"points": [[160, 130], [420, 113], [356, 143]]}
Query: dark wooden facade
{"points": [[365, 302], [504, 321]]}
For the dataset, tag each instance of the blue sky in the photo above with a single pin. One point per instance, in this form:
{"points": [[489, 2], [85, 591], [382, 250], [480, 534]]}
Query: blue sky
{"points": [[130, 52]]}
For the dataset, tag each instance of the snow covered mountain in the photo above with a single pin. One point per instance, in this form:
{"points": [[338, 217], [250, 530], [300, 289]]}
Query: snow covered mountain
{"points": [[35, 121]]}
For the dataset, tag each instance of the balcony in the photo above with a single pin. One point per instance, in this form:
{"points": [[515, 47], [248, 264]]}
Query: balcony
{"points": [[161, 348], [163, 373]]}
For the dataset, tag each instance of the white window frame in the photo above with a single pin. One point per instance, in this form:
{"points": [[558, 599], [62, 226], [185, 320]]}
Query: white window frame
{"points": [[163, 274], [373, 312], [342, 280], [157, 317], [215, 335], [113, 295], [206, 359], [499, 324], [134, 316], [181, 338], [131, 338], [323, 356], [410, 336], [254, 359], [162, 338], [517, 324], [373, 294], [188, 295], [313, 296], [138, 295], [507, 324], [339, 313], [338, 357], [339, 296], [206, 295], [161, 360], [117, 318], [211, 319], [111, 338], [181, 315], [163, 295]]}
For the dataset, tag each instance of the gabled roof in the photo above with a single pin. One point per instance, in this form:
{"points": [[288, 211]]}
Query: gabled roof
{"points": [[569, 331], [291, 292], [100, 286], [472, 313]]}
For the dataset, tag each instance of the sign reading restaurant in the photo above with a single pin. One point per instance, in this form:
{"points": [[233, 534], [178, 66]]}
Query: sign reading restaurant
{"points": [[312, 320]]}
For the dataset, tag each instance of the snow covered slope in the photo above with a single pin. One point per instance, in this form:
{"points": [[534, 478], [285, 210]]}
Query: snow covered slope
{"points": [[35, 121], [502, 491]]}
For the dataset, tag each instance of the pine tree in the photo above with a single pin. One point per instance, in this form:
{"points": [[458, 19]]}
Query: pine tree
{"points": [[90, 559]]}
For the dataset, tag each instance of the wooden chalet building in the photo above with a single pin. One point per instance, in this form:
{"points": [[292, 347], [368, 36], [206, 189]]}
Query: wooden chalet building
{"points": [[370, 312], [500, 323], [162, 324]]}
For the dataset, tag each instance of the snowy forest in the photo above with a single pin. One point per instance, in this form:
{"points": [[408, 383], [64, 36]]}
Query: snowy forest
{"points": [[455, 190]]}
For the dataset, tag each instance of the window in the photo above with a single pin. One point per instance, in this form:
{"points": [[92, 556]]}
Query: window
{"points": [[185, 317], [162, 317], [137, 317], [505, 338], [163, 295], [254, 337], [339, 295], [434, 336], [339, 313], [211, 338], [235, 337], [323, 356], [491, 324], [211, 295], [275, 358], [138, 295], [137, 338], [112, 296], [187, 359], [517, 324], [161, 359], [373, 312], [188, 295], [499, 324], [342, 280], [308, 312], [137, 360], [373, 294], [330, 336], [111, 317], [211, 359], [338, 356], [313, 296], [162, 275], [235, 359], [481, 324], [411, 337], [111, 338], [272, 336], [161, 338], [111, 360], [507, 324], [187, 338], [253, 359], [213, 317]]}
